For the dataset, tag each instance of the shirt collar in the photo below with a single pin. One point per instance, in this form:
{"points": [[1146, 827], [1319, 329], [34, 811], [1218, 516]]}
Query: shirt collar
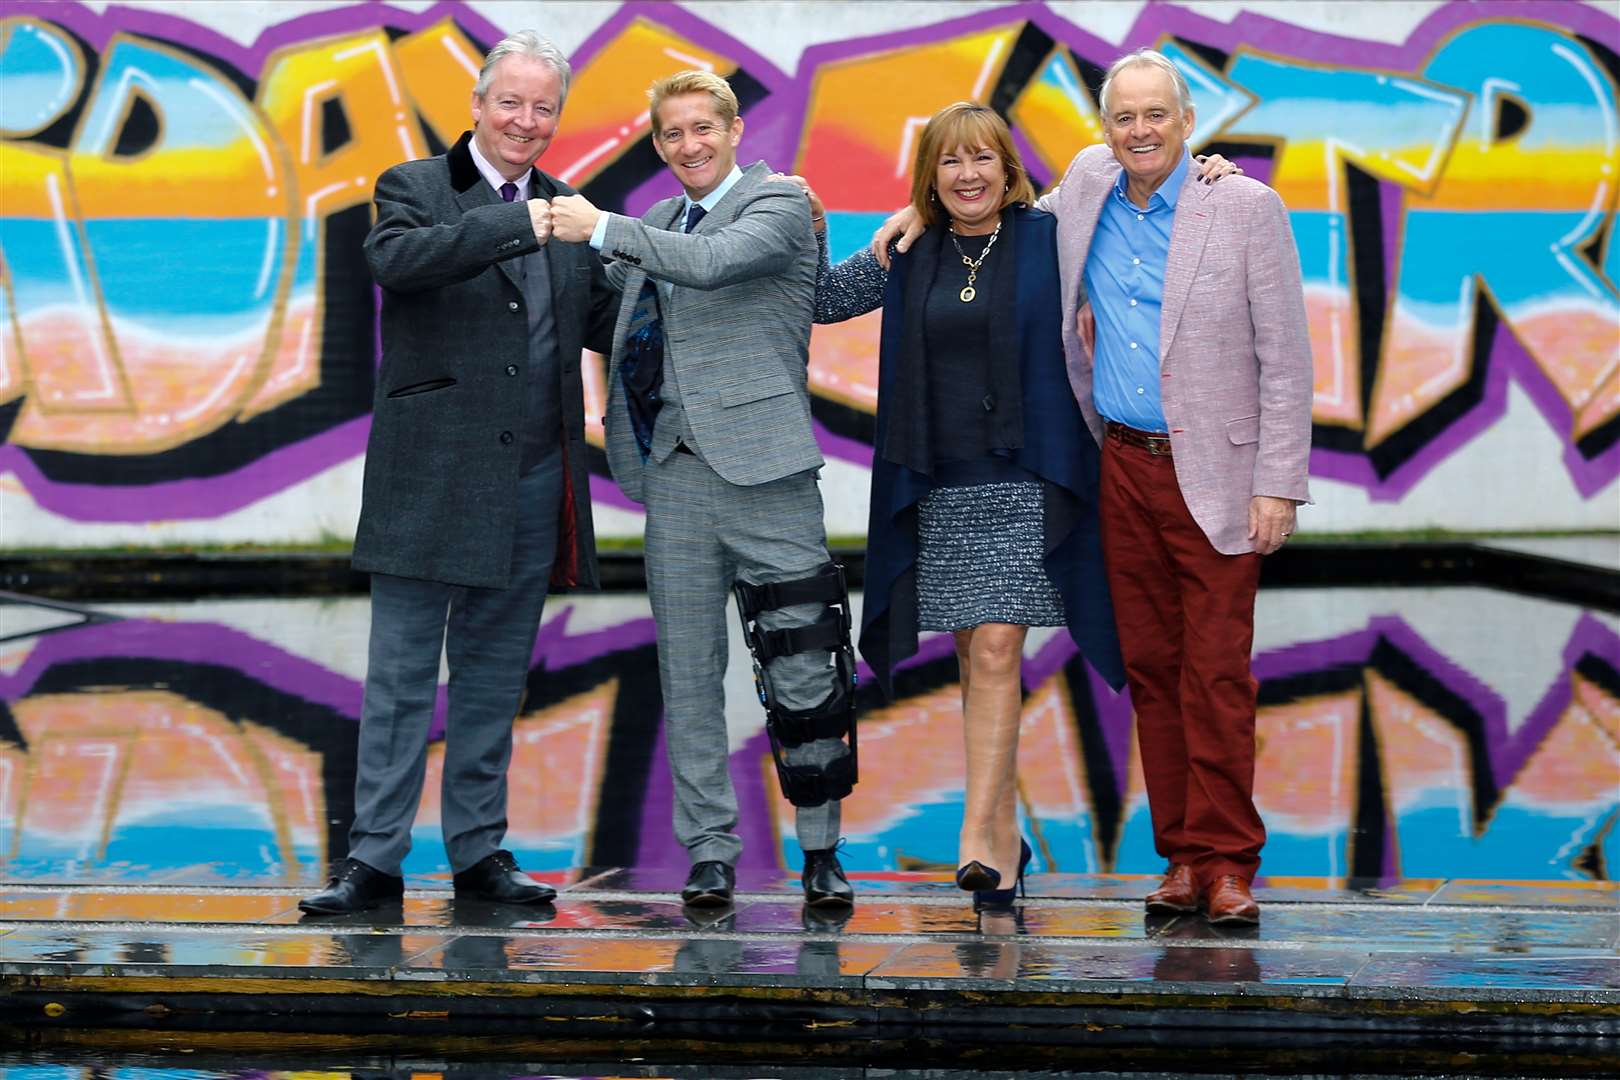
{"points": [[493, 176], [1169, 191], [712, 199]]}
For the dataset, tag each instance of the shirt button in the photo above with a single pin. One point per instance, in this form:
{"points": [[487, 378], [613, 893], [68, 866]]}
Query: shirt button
{"points": [[1141, 217], [1139, 390], [1134, 262], [511, 369], [511, 305], [506, 438], [1133, 344], [1133, 303]]}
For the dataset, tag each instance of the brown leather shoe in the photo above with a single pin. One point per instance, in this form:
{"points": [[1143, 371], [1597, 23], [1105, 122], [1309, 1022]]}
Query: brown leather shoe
{"points": [[1177, 894], [1227, 901]]}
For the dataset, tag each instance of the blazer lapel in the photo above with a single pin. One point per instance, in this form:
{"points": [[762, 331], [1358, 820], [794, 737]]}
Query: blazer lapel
{"points": [[1194, 217], [1079, 221]]}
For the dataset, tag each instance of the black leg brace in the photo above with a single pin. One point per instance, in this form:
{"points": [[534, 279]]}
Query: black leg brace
{"points": [[834, 718]]}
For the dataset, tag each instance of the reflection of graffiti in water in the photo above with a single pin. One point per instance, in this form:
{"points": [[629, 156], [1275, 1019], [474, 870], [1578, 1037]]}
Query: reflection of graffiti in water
{"points": [[166, 750], [1378, 758], [186, 323], [137, 750]]}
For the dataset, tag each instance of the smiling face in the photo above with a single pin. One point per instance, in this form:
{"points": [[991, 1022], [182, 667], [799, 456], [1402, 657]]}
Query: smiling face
{"points": [[515, 119], [970, 182], [698, 146], [1145, 127]]}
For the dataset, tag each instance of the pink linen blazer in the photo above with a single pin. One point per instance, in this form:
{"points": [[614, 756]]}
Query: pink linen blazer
{"points": [[1234, 349]]}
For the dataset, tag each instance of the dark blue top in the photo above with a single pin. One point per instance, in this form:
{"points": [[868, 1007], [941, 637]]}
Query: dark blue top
{"points": [[1055, 445]]}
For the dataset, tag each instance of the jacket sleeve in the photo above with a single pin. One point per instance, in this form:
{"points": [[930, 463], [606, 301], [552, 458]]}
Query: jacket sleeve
{"points": [[1282, 349], [762, 242], [408, 251], [853, 287]]}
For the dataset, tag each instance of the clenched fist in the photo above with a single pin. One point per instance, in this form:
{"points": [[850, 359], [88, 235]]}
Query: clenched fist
{"points": [[573, 218], [540, 218]]}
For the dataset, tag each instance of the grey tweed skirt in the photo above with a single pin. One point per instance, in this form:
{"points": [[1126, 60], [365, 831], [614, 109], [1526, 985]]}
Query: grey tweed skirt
{"points": [[979, 558]]}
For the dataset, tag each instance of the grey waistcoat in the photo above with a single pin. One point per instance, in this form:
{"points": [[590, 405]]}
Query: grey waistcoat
{"points": [[542, 383]]}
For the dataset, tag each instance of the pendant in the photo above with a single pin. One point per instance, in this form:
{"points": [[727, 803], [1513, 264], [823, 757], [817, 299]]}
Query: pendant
{"points": [[968, 294]]}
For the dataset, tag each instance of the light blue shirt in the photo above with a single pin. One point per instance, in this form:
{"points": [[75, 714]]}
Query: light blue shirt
{"points": [[708, 202], [1125, 280]]}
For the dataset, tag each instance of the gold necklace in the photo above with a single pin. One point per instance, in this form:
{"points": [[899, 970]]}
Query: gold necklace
{"points": [[969, 292]]}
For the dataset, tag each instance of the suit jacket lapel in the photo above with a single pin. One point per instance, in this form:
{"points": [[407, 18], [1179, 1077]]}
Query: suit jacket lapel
{"points": [[1084, 213], [1194, 217]]}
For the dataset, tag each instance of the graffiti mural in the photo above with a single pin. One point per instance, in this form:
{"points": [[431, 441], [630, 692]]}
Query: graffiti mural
{"points": [[213, 747], [187, 326]]}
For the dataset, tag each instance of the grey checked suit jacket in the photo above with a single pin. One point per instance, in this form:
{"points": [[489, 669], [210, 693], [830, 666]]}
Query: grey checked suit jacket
{"points": [[736, 323]]}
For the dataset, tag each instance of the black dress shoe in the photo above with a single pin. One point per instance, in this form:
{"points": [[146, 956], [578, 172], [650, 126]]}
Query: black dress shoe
{"points": [[354, 886], [825, 885], [496, 878], [710, 884]]}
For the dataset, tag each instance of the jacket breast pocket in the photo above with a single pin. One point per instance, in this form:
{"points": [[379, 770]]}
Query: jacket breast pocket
{"points": [[1243, 430], [426, 387], [758, 389]]}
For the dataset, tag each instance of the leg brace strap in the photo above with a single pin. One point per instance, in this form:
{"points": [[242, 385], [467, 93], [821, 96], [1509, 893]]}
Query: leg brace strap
{"points": [[834, 718]]}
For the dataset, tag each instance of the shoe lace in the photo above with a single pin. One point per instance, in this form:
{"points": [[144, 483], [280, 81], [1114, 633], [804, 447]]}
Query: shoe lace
{"points": [[503, 859]]}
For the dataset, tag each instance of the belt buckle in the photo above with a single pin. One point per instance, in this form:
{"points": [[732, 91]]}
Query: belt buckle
{"points": [[1158, 445]]}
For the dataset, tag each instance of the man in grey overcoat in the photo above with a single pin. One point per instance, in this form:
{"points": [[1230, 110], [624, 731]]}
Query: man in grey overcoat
{"points": [[718, 286], [476, 495]]}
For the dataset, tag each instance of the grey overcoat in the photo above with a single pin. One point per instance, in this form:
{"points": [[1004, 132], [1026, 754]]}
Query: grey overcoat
{"points": [[441, 471]]}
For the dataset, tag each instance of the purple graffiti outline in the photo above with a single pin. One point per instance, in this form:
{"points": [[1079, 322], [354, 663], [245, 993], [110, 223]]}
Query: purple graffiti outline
{"points": [[776, 126]]}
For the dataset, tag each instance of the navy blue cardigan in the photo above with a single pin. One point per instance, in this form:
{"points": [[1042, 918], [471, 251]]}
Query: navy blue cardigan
{"points": [[1057, 447]]}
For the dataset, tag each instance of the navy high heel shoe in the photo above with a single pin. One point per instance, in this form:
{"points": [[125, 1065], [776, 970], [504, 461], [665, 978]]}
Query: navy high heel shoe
{"points": [[976, 877], [1002, 898]]}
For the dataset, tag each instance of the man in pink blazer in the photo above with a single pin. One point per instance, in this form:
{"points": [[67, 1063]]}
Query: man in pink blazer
{"points": [[1192, 365]]}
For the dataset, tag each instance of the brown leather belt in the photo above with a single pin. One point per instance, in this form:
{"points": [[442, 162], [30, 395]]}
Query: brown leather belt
{"points": [[1154, 443]]}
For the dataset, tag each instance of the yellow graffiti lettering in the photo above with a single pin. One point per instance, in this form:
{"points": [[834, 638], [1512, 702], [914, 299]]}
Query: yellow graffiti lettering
{"points": [[359, 78]]}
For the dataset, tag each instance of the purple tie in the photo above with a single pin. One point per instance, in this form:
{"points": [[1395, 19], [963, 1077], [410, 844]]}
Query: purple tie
{"points": [[509, 192]]}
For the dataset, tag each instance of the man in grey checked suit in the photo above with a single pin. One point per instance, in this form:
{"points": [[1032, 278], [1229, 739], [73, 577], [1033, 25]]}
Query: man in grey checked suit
{"points": [[712, 434], [476, 495]]}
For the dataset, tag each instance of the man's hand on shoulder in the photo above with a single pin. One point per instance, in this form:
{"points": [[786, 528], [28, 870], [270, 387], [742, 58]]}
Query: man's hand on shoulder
{"points": [[902, 228], [573, 218]]}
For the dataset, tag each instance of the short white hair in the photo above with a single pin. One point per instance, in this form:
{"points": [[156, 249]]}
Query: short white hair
{"points": [[1146, 58], [524, 43]]}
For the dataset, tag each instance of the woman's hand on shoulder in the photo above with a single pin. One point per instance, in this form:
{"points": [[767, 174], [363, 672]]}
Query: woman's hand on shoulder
{"points": [[818, 212]]}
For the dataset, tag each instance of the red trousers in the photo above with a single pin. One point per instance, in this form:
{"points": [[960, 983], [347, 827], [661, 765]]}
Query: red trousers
{"points": [[1185, 614]]}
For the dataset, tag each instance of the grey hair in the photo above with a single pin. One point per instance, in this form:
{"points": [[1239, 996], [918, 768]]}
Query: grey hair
{"points": [[524, 43], [1146, 58]]}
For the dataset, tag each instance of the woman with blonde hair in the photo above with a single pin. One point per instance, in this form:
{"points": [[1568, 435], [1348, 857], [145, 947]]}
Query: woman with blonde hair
{"points": [[983, 517]]}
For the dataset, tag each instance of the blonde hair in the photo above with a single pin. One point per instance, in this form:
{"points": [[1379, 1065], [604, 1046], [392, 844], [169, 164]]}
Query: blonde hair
{"points": [[693, 82], [969, 124]]}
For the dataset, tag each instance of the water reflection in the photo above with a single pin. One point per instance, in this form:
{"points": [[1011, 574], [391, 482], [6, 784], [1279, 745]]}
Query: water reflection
{"points": [[1439, 733]]}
